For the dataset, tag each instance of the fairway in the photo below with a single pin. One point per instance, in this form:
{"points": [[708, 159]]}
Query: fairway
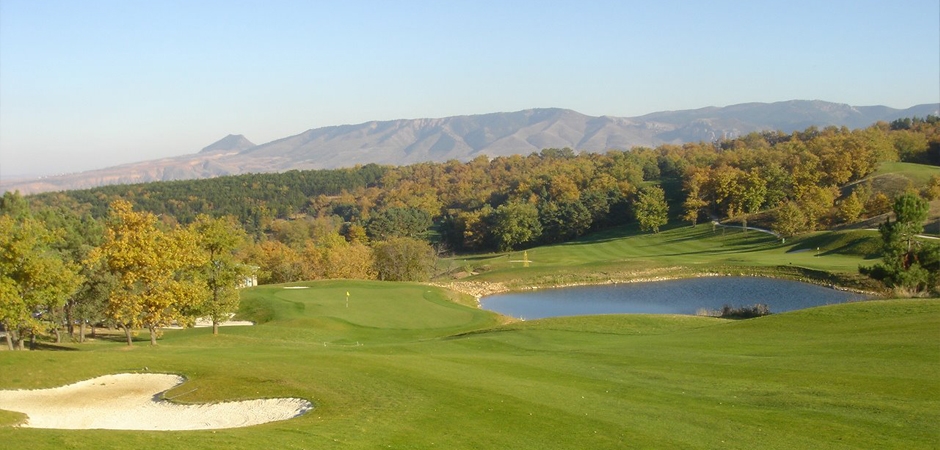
{"points": [[625, 254], [404, 366]]}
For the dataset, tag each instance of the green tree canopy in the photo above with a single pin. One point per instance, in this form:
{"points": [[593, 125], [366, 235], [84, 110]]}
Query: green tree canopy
{"points": [[907, 265], [515, 224], [34, 279], [219, 238], [404, 259], [650, 209]]}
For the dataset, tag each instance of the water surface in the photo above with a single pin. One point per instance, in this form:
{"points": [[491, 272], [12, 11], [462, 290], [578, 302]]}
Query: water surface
{"points": [[666, 297]]}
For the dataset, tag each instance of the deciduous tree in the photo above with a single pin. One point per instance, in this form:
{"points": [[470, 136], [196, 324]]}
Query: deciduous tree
{"points": [[219, 238], [789, 219], [404, 259], [650, 209], [695, 203], [851, 208], [154, 270], [34, 279], [515, 224], [906, 265], [277, 263]]}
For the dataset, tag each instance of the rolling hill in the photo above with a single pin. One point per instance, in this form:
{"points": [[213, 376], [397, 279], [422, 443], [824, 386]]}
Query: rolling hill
{"points": [[463, 138]]}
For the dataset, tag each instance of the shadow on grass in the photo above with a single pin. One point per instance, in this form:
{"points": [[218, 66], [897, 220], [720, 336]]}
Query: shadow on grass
{"points": [[48, 346], [121, 338], [611, 234], [855, 243]]}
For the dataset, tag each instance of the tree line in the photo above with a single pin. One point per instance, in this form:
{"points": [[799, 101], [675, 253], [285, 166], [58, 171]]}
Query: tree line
{"points": [[128, 270], [555, 195], [114, 253]]}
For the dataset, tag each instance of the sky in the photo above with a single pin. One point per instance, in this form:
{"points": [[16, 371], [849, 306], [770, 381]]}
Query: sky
{"points": [[90, 84]]}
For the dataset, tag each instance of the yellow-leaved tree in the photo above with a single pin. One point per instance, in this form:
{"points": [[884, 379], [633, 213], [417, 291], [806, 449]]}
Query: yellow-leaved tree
{"points": [[34, 279], [157, 271]]}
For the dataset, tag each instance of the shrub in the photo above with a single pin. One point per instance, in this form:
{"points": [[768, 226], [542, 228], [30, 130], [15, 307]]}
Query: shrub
{"points": [[745, 312]]}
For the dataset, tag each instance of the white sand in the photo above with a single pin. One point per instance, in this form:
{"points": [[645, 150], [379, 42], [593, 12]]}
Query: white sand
{"points": [[205, 323], [130, 402]]}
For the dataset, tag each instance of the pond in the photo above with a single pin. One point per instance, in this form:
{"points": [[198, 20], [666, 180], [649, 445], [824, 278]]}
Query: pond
{"points": [[685, 296]]}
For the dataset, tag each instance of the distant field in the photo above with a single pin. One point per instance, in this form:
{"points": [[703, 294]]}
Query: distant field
{"points": [[625, 253], [917, 174], [405, 367]]}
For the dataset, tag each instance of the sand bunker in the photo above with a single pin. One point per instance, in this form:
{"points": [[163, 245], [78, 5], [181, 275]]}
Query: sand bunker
{"points": [[131, 402]]}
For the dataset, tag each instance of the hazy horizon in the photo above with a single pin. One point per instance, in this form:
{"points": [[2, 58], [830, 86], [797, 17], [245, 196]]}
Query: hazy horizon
{"points": [[92, 84]]}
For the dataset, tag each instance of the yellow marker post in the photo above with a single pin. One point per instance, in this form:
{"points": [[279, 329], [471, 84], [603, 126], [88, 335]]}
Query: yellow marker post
{"points": [[347, 299]]}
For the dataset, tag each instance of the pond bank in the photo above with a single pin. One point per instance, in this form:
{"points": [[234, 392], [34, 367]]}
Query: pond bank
{"points": [[687, 296], [480, 288]]}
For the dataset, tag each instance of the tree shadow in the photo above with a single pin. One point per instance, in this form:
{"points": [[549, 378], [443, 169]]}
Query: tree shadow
{"points": [[119, 337], [48, 346]]}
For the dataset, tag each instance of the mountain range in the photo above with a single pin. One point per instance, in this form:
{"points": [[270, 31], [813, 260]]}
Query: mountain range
{"points": [[400, 142]]}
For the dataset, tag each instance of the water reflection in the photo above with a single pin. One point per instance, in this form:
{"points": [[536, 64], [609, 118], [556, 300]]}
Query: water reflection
{"points": [[666, 297]]}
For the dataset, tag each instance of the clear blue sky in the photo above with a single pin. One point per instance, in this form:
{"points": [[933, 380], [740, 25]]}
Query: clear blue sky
{"points": [[88, 84]]}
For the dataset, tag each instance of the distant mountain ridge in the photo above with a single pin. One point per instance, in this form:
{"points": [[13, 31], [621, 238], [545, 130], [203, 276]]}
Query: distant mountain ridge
{"points": [[399, 142], [231, 143]]}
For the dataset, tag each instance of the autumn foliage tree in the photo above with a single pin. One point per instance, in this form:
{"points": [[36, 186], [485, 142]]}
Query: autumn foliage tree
{"points": [[508, 202], [404, 259], [155, 271], [34, 279]]}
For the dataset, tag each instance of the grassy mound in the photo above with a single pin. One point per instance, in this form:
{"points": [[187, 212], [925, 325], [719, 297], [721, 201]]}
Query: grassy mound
{"points": [[404, 367]]}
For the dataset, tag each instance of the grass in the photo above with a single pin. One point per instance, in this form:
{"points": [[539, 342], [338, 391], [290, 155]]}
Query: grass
{"points": [[625, 253], [412, 366], [437, 374], [914, 175]]}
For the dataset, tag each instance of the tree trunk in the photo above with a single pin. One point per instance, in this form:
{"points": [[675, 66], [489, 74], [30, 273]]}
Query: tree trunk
{"points": [[153, 335], [68, 320], [81, 333], [6, 326], [20, 342], [58, 335], [127, 333]]}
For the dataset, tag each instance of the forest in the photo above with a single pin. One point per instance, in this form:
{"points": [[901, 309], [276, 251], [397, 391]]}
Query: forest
{"points": [[114, 253]]}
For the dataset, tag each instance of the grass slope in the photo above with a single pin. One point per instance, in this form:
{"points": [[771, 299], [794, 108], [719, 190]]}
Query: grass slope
{"points": [[404, 367], [896, 177], [625, 253]]}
